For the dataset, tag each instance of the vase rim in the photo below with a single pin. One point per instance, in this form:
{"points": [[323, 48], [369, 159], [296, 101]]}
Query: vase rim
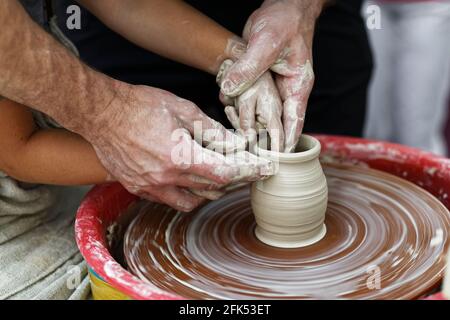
{"points": [[312, 151]]}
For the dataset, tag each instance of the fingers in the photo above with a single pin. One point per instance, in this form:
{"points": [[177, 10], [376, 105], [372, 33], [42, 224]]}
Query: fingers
{"points": [[215, 136], [192, 158], [233, 117], [226, 101], [276, 133], [208, 194], [293, 120], [295, 90], [177, 198], [205, 130], [240, 166], [274, 127], [246, 103], [144, 195], [263, 50], [252, 168], [269, 110], [294, 109], [193, 181], [206, 164]]}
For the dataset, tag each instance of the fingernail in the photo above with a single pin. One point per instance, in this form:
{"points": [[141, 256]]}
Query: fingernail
{"points": [[208, 194], [214, 195], [215, 187], [185, 209], [186, 205], [228, 87]]}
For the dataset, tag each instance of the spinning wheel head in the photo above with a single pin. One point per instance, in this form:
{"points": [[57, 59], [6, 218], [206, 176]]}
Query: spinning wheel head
{"points": [[386, 239]]}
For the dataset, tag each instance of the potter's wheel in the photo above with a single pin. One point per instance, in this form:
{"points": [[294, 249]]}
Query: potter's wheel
{"points": [[386, 239]]}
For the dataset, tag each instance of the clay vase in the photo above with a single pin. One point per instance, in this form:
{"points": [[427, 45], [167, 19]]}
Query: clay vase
{"points": [[290, 206]]}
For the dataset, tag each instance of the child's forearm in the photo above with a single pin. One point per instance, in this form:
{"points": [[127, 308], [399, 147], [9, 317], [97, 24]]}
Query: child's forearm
{"points": [[170, 28], [56, 156], [47, 156]]}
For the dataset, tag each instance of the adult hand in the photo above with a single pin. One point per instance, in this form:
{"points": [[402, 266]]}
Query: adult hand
{"points": [[144, 136], [259, 107], [130, 127], [279, 36]]}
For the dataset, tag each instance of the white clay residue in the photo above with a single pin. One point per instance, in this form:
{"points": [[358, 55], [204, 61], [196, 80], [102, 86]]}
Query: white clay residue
{"points": [[371, 221]]}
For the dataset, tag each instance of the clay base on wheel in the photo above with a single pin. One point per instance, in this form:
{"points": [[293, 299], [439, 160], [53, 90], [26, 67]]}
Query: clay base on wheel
{"points": [[386, 239], [290, 245]]}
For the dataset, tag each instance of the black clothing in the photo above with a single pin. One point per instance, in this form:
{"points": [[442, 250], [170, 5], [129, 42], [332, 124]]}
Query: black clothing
{"points": [[342, 62]]}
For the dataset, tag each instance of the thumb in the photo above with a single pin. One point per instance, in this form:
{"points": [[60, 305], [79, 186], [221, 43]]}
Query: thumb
{"points": [[261, 54]]}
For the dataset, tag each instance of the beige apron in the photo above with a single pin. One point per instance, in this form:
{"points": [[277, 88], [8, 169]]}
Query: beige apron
{"points": [[39, 258]]}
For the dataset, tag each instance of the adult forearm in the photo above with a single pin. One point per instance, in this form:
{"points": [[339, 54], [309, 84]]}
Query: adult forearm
{"points": [[314, 6], [39, 72], [170, 28]]}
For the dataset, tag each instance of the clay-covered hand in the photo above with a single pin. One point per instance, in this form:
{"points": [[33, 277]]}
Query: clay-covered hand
{"points": [[144, 140], [259, 107], [279, 36]]}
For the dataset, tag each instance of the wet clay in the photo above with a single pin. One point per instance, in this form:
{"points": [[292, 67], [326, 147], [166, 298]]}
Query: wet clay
{"points": [[290, 206], [386, 239]]}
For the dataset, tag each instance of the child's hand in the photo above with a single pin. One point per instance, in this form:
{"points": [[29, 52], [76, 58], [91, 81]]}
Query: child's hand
{"points": [[279, 36], [259, 107]]}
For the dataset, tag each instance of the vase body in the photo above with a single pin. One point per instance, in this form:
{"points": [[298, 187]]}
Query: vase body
{"points": [[290, 206]]}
